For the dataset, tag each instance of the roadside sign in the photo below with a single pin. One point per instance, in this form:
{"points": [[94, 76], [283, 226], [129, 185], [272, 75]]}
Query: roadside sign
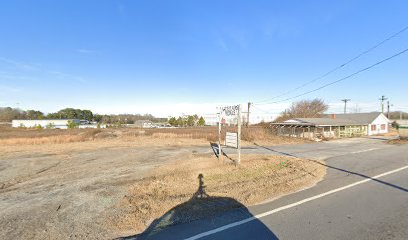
{"points": [[231, 139], [230, 110]]}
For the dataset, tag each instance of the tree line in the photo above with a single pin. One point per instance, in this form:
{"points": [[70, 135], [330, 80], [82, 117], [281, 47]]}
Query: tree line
{"points": [[316, 108], [304, 109], [7, 114], [187, 121]]}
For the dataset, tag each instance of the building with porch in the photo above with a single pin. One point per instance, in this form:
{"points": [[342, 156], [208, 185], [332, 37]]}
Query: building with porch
{"points": [[334, 126]]}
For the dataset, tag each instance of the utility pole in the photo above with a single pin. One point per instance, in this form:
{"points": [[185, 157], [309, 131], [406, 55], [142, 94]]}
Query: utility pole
{"points": [[382, 99], [388, 109], [249, 106], [345, 104]]}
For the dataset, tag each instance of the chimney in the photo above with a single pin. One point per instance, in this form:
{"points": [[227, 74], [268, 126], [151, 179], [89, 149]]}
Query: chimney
{"points": [[333, 116]]}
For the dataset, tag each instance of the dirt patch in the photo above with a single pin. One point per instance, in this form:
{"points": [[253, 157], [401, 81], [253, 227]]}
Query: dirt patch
{"points": [[257, 178], [63, 191], [401, 141], [59, 184], [392, 132]]}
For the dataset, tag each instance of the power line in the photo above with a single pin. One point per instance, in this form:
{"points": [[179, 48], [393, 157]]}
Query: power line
{"points": [[267, 112], [342, 79], [340, 66]]}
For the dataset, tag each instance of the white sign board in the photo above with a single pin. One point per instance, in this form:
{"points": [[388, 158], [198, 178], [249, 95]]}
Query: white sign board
{"points": [[231, 139], [230, 110]]}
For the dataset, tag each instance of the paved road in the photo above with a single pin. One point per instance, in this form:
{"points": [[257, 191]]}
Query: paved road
{"points": [[367, 209]]}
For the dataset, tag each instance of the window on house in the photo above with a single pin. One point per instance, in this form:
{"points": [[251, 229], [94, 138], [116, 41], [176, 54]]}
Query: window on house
{"points": [[382, 126], [373, 127]]}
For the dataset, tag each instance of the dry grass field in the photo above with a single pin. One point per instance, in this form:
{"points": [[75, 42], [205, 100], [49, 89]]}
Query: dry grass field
{"points": [[105, 183], [17, 136], [258, 178], [398, 141]]}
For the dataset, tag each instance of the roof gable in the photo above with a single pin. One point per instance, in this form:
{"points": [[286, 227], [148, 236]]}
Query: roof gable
{"points": [[325, 121], [360, 118], [349, 119]]}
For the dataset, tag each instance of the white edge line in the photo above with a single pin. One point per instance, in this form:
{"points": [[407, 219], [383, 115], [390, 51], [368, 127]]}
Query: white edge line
{"points": [[231, 225], [367, 150]]}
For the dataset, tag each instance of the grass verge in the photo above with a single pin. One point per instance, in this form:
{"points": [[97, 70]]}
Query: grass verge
{"points": [[399, 141], [258, 178]]}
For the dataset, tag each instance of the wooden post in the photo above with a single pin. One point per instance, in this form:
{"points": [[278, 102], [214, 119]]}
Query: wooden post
{"points": [[239, 134], [219, 136], [247, 123], [330, 135]]}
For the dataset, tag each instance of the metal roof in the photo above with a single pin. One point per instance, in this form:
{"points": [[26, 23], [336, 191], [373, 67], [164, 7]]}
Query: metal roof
{"points": [[326, 121], [351, 119], [361, 118]]}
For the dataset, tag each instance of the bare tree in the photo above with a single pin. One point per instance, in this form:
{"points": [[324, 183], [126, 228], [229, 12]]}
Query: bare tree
{"points": [[304, 109]]}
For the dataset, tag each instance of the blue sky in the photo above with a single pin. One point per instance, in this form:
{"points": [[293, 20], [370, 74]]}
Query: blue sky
{"points": [[172, 57]]}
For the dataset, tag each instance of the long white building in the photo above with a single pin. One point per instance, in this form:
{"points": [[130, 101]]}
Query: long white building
{"points": [[254, 118], [55, 123]]}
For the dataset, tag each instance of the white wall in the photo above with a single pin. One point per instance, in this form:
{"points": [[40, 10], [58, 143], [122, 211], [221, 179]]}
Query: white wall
{"points": [[58, 123], [212, 119], [380, 120]]}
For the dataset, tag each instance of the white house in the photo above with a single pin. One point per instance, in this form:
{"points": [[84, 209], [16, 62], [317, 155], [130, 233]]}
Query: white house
{"points": [[335, 125], [377, 123]]}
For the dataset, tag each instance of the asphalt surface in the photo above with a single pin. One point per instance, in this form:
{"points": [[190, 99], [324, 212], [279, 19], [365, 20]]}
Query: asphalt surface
{"points": [[375, 209]]}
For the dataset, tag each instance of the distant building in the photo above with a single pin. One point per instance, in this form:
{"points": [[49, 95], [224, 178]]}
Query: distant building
{"points": [[212, 119], [402, 126], [54, 123], [337, 125], [144, 124]]}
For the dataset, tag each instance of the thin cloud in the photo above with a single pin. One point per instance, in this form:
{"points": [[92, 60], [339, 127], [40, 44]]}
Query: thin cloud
{"points": [[9, 89], [18, 64], [65, 76], [239, 36], [40, 72], [234, 36], [86, 51], [122, 10], [221, 43]]}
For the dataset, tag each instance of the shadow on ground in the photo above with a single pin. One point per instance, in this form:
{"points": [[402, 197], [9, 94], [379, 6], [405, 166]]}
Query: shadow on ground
{"points": [[342, 170], [203, 210], [216, 150]]}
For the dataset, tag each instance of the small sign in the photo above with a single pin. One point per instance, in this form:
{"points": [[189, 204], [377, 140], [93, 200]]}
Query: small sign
{"points": [[230, 110], [231, 139]]}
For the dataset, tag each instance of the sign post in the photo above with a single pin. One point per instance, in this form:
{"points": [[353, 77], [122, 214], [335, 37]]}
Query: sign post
{"points": [[219, 136], [231, 139], [239, 134]]}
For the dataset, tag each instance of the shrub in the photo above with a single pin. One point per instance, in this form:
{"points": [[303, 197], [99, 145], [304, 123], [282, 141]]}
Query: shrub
{"points": [[72, 124]]}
